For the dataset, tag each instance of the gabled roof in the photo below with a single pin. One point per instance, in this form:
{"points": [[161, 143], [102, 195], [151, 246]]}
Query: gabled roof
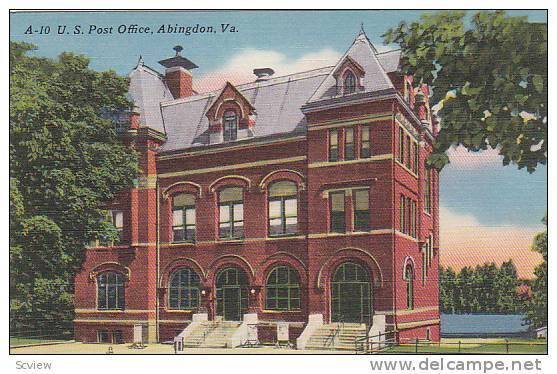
{"points": [[348, 61], [278, 101], [365, 54], [229, 86]]}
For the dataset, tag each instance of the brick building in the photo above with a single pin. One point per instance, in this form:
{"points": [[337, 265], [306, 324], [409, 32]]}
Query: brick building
{"points": [[301, 199]]}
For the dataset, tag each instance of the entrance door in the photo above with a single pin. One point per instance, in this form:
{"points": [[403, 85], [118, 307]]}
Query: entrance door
{"points": [[231, 301], [351, 294], [232, 294]]}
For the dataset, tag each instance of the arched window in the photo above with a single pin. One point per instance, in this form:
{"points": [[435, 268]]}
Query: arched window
{"points": [[231, 213], [349, 83], [409, 278], [283, 208], [183, 218], [230, 123], [110, 291], [282, 290], [183, 289]]}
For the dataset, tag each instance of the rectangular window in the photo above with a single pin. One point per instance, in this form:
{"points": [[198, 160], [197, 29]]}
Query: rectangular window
{"points": [[116, 218], [230, 126], [349, 149], [365, 145], [407, 89], [110, 337], [117, 337], [283, 208], [333, 145], [408, 150], [104, 337], [400, 145], [183, 218], [424, 266], [413, 230], [427, 191], [402, 219], [430, 248], [231, 213], [118, 222], [408, 216], [361, 210], [338, 220], [416, 158]]}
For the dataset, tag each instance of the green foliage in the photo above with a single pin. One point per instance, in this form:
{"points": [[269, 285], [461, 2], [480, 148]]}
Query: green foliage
{"points": [[536, 309], [488, 78], [483, 289], [66, 163]]}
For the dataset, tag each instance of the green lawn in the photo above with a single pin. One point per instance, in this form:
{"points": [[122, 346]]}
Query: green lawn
{"points": [[472, 346], [18, 341]]}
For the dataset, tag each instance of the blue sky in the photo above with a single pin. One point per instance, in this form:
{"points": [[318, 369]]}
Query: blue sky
{"points": [[495, 196]]}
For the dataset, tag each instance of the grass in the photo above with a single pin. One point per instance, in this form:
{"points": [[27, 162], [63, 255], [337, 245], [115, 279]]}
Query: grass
{"points": [[473, 346], [19, 341], [447, 346]]}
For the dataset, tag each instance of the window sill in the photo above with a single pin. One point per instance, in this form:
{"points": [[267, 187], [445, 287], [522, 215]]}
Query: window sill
{"points": [[183, 242], [406, 168], [278, 236], [180, 310], [337, 233], [111, 246], [281, 311], [230, 241], [111, 310]]}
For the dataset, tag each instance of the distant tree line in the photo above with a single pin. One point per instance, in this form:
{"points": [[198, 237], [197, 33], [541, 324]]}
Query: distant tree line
{"points": [[536, 307], [486, 288]]}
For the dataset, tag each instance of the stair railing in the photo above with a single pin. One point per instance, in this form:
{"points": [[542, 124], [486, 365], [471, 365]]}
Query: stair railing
{"points": [[330, 339], [208, 331]]}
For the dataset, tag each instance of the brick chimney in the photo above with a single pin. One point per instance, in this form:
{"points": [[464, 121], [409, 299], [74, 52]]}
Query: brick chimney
{"points": [[178, 75]]}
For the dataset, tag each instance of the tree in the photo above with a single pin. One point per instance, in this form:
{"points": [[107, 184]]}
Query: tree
{"points": [[66, 164], [488, 76], [447, 280], [536, 308], [483, 289], [506, 285]]}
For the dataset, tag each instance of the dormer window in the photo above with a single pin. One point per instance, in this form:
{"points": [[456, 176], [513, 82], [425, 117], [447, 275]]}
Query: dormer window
{"points": [[230, 124], [349, 83], [349, 75], [231, 116]]}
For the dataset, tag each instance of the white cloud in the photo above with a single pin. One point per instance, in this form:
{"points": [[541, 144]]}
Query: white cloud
{"points": [[463, 159], [239, 68], [466, 242]]}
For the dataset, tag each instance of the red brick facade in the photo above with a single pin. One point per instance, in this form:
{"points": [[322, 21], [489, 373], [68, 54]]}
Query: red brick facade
{"points": [[147, 256]]}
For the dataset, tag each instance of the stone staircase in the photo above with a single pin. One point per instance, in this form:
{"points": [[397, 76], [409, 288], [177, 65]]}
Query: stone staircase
{"points": [[336, 336], [211, 334]]}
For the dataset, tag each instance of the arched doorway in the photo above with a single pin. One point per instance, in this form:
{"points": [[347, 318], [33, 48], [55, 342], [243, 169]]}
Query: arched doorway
{"points": [[351, 294], [232, 294]]}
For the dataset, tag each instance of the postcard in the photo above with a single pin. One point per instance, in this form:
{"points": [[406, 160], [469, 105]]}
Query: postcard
{"points": [[278, 182]]}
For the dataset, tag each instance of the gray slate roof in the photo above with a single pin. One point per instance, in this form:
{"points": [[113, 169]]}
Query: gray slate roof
{"points": [[375, 79], [277, 101], [390, 60], [148, 90], [277, 104]]}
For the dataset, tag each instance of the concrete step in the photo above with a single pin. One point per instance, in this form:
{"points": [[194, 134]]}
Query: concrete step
{"points": [[345, 338], [211, 335]]}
